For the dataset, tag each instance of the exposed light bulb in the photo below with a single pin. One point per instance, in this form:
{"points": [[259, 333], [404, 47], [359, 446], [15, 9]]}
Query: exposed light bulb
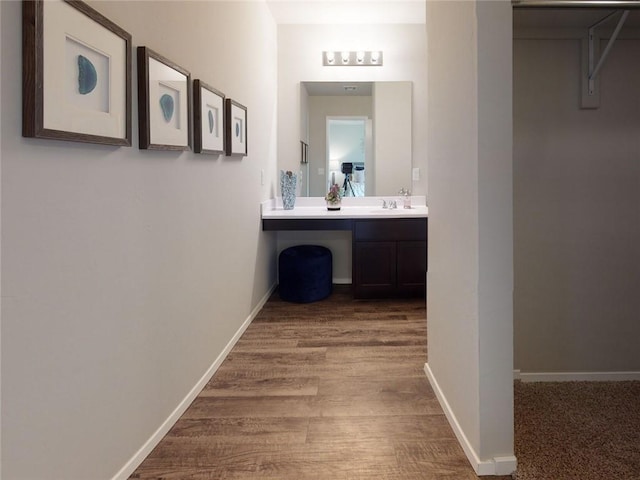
{"points": [[351, 58], [331, 57]]}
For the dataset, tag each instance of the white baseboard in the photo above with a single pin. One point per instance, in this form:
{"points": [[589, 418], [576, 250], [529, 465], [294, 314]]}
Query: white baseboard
{"points": [[495, 466], [126, 471], [342, 281], [575, 376]]}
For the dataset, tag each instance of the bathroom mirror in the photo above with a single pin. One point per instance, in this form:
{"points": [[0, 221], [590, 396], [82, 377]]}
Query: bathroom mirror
{"points": [[358, 135]]}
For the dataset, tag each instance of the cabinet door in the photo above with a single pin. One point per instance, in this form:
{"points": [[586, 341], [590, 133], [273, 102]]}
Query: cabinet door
{"points": [[375, 269], [412, 268]]}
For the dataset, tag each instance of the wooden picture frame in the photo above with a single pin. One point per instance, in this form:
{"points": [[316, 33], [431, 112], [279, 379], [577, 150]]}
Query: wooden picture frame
{"points": [[76, 74], [164, 103], [208, 119], [236, 129]]}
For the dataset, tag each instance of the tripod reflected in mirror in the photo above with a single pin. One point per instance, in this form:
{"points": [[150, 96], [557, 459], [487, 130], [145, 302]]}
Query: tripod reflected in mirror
{"points": [[347, 169]]}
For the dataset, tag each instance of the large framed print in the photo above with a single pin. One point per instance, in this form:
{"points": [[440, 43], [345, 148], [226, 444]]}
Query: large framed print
{"points": [[76, 74], [208, 119], [236, 129], [164, 103]]}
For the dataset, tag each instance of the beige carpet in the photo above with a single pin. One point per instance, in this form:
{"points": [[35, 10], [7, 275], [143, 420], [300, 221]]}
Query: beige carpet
{"points": [[577, 430]]}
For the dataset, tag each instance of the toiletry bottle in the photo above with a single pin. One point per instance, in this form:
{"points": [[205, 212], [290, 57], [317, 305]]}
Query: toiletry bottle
{"points": [[407, 198]]}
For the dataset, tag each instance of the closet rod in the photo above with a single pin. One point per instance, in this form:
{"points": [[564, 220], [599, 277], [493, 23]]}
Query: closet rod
{"points": [[625, 4]]}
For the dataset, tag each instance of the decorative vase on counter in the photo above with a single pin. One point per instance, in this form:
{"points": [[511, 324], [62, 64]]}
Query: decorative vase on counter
{"points": [[334, 197], [288, 182], [334, 205]]}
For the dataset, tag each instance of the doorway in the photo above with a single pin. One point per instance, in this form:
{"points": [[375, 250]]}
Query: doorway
{"points": [[349, 154]]}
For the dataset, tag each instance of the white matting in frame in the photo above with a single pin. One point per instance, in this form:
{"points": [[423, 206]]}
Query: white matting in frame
{"points": [[209, 119], [212, 111], [101, 108], [168, 100], [236, 129]]}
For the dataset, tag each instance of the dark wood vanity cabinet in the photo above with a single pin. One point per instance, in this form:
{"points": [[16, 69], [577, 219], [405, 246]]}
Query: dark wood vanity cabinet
{"points": [[389, 254], [389, 257]]}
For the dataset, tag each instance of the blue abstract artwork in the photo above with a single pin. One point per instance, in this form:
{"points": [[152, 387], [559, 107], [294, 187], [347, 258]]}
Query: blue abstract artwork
{"points": [[166, 105], [211, 122], [87, 75]]}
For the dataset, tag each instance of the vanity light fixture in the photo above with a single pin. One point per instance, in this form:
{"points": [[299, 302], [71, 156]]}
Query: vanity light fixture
{"points": [[359, 58]]}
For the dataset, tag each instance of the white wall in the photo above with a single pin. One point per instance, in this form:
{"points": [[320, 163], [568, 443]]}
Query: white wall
{"points": [[470, 228], [577, 209], [125, 272], [300, 50]]}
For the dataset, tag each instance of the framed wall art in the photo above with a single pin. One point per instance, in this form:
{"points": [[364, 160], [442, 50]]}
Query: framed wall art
{"points": [[208, 119], [236, 129], [76, 74], [164, 103]]}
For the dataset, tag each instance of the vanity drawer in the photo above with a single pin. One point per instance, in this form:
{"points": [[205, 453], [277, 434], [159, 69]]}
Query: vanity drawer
{"points": [[392, 229]]}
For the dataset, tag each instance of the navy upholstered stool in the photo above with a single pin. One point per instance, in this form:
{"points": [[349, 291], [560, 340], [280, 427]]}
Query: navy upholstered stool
{"points": [[305, 273]]}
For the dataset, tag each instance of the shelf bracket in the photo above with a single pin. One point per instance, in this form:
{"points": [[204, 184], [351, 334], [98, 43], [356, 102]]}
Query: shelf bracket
{"points": [[591, 48]]}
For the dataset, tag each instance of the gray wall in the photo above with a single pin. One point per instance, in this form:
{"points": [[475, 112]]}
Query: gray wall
{"points": [[126, 273], [576, 211], [0, 249], [392, 145]]}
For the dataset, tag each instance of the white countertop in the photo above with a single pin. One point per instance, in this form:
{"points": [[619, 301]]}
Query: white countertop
{"points": [[358, 207]]}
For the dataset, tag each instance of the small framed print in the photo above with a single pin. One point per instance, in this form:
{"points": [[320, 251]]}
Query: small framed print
{"points": [[236, 129], [76, 74], [164, 103], [208, 119]]}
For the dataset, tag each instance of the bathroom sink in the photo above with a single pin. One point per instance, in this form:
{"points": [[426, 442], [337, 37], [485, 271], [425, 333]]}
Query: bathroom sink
{"points": [[390, 211]]}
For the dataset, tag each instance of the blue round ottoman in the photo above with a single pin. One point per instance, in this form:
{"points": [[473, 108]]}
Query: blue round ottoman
{"points": [[305, 273]]}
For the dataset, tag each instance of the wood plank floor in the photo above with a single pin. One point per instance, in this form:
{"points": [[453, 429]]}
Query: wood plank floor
{"points": [[328, 390]]}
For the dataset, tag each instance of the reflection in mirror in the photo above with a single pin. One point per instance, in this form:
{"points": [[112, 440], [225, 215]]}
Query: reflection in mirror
{"points": [[347, 154], [380, 152]]}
